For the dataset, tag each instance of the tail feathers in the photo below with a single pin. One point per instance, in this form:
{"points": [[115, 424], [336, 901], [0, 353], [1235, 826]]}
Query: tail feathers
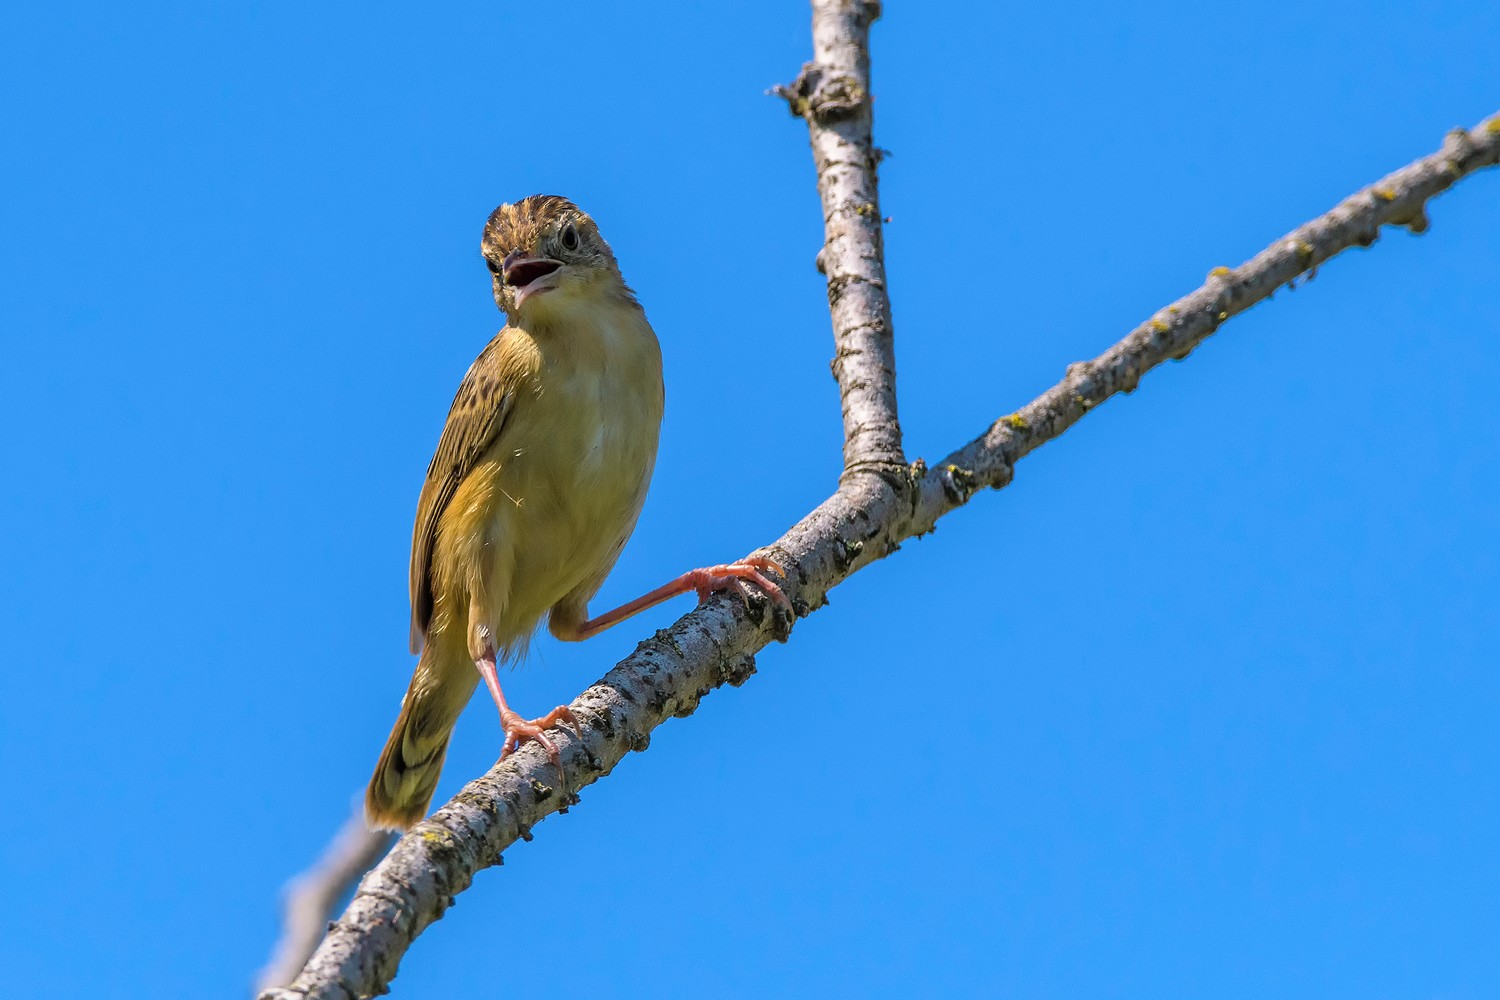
{"points": [[404, 782], [407, 775]]}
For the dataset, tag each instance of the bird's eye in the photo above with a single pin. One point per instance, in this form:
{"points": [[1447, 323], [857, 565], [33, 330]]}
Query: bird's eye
{"points": [[569, 237]]}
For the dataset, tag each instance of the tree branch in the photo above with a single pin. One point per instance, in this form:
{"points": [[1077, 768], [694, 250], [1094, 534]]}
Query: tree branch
{"points": [[311, 896], [833, 94], [872, 512], [1398, 199]]}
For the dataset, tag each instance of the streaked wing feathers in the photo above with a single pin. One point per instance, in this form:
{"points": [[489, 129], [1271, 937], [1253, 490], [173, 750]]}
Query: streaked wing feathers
{"points": [[475, 420]]}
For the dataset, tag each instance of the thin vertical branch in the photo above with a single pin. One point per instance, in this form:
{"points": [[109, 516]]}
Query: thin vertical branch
{"points": [[832, 93]]}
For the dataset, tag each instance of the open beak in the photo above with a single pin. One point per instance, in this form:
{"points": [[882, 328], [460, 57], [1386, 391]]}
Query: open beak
{"points": [[528, 275]]}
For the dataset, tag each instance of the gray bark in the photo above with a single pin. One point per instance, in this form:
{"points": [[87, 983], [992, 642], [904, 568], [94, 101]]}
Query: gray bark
{"points": [[833, 94]]}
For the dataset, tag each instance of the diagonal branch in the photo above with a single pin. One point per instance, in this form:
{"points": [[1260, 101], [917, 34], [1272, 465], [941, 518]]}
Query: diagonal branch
{"points": [[865, 520], [833, 93], [1398, 199]]}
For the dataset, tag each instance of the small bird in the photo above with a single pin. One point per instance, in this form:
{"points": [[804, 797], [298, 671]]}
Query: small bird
{"points": [[538, 479]]}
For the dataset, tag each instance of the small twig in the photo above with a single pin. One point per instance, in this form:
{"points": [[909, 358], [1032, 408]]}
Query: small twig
{"points": [[310, 898]]}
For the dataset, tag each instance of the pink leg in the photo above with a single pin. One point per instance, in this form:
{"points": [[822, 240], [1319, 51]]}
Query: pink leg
{"points": [[705, 581], [517, 729]]}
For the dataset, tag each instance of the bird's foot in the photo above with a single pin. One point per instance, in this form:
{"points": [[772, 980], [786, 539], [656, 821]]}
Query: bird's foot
{"points": [[713, 579], [707, 581], [519, 730]]}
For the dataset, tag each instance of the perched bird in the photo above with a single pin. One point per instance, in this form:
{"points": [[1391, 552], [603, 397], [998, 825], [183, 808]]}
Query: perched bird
{"points": [[537, 482]]}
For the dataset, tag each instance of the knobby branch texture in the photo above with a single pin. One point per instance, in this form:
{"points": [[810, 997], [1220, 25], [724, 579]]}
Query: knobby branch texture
{"points": [[878, 505], [833, 94]]}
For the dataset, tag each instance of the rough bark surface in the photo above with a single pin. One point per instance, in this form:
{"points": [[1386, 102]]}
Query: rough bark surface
{"points": [[880, 502], [833, 94]]}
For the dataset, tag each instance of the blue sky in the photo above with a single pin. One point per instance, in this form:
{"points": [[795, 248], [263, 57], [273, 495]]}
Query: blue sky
{"points": [[1202, 705]]}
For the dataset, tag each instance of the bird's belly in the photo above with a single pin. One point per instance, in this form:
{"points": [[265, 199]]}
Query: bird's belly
{"points": [[566, 505]]}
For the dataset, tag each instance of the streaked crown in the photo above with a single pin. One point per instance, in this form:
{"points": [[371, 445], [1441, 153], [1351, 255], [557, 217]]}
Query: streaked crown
{"points": [[545, 234], [538, 226]]}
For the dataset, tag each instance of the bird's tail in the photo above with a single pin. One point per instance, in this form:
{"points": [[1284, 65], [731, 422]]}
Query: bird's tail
{"points": [[407, 775]]}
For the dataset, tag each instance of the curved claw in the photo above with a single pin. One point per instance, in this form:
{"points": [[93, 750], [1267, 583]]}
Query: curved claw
{"points": [[519, 730], [762, 562], [713, 579]]}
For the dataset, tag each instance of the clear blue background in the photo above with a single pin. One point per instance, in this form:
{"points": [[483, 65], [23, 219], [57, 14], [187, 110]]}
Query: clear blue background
{"points": [[1204, 705]]}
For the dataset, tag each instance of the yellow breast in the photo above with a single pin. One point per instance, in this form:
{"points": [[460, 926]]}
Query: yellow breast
{"points": [[545, 514]]}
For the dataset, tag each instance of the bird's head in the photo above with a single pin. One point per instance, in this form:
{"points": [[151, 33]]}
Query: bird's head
{"points": [[546, 256]]}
